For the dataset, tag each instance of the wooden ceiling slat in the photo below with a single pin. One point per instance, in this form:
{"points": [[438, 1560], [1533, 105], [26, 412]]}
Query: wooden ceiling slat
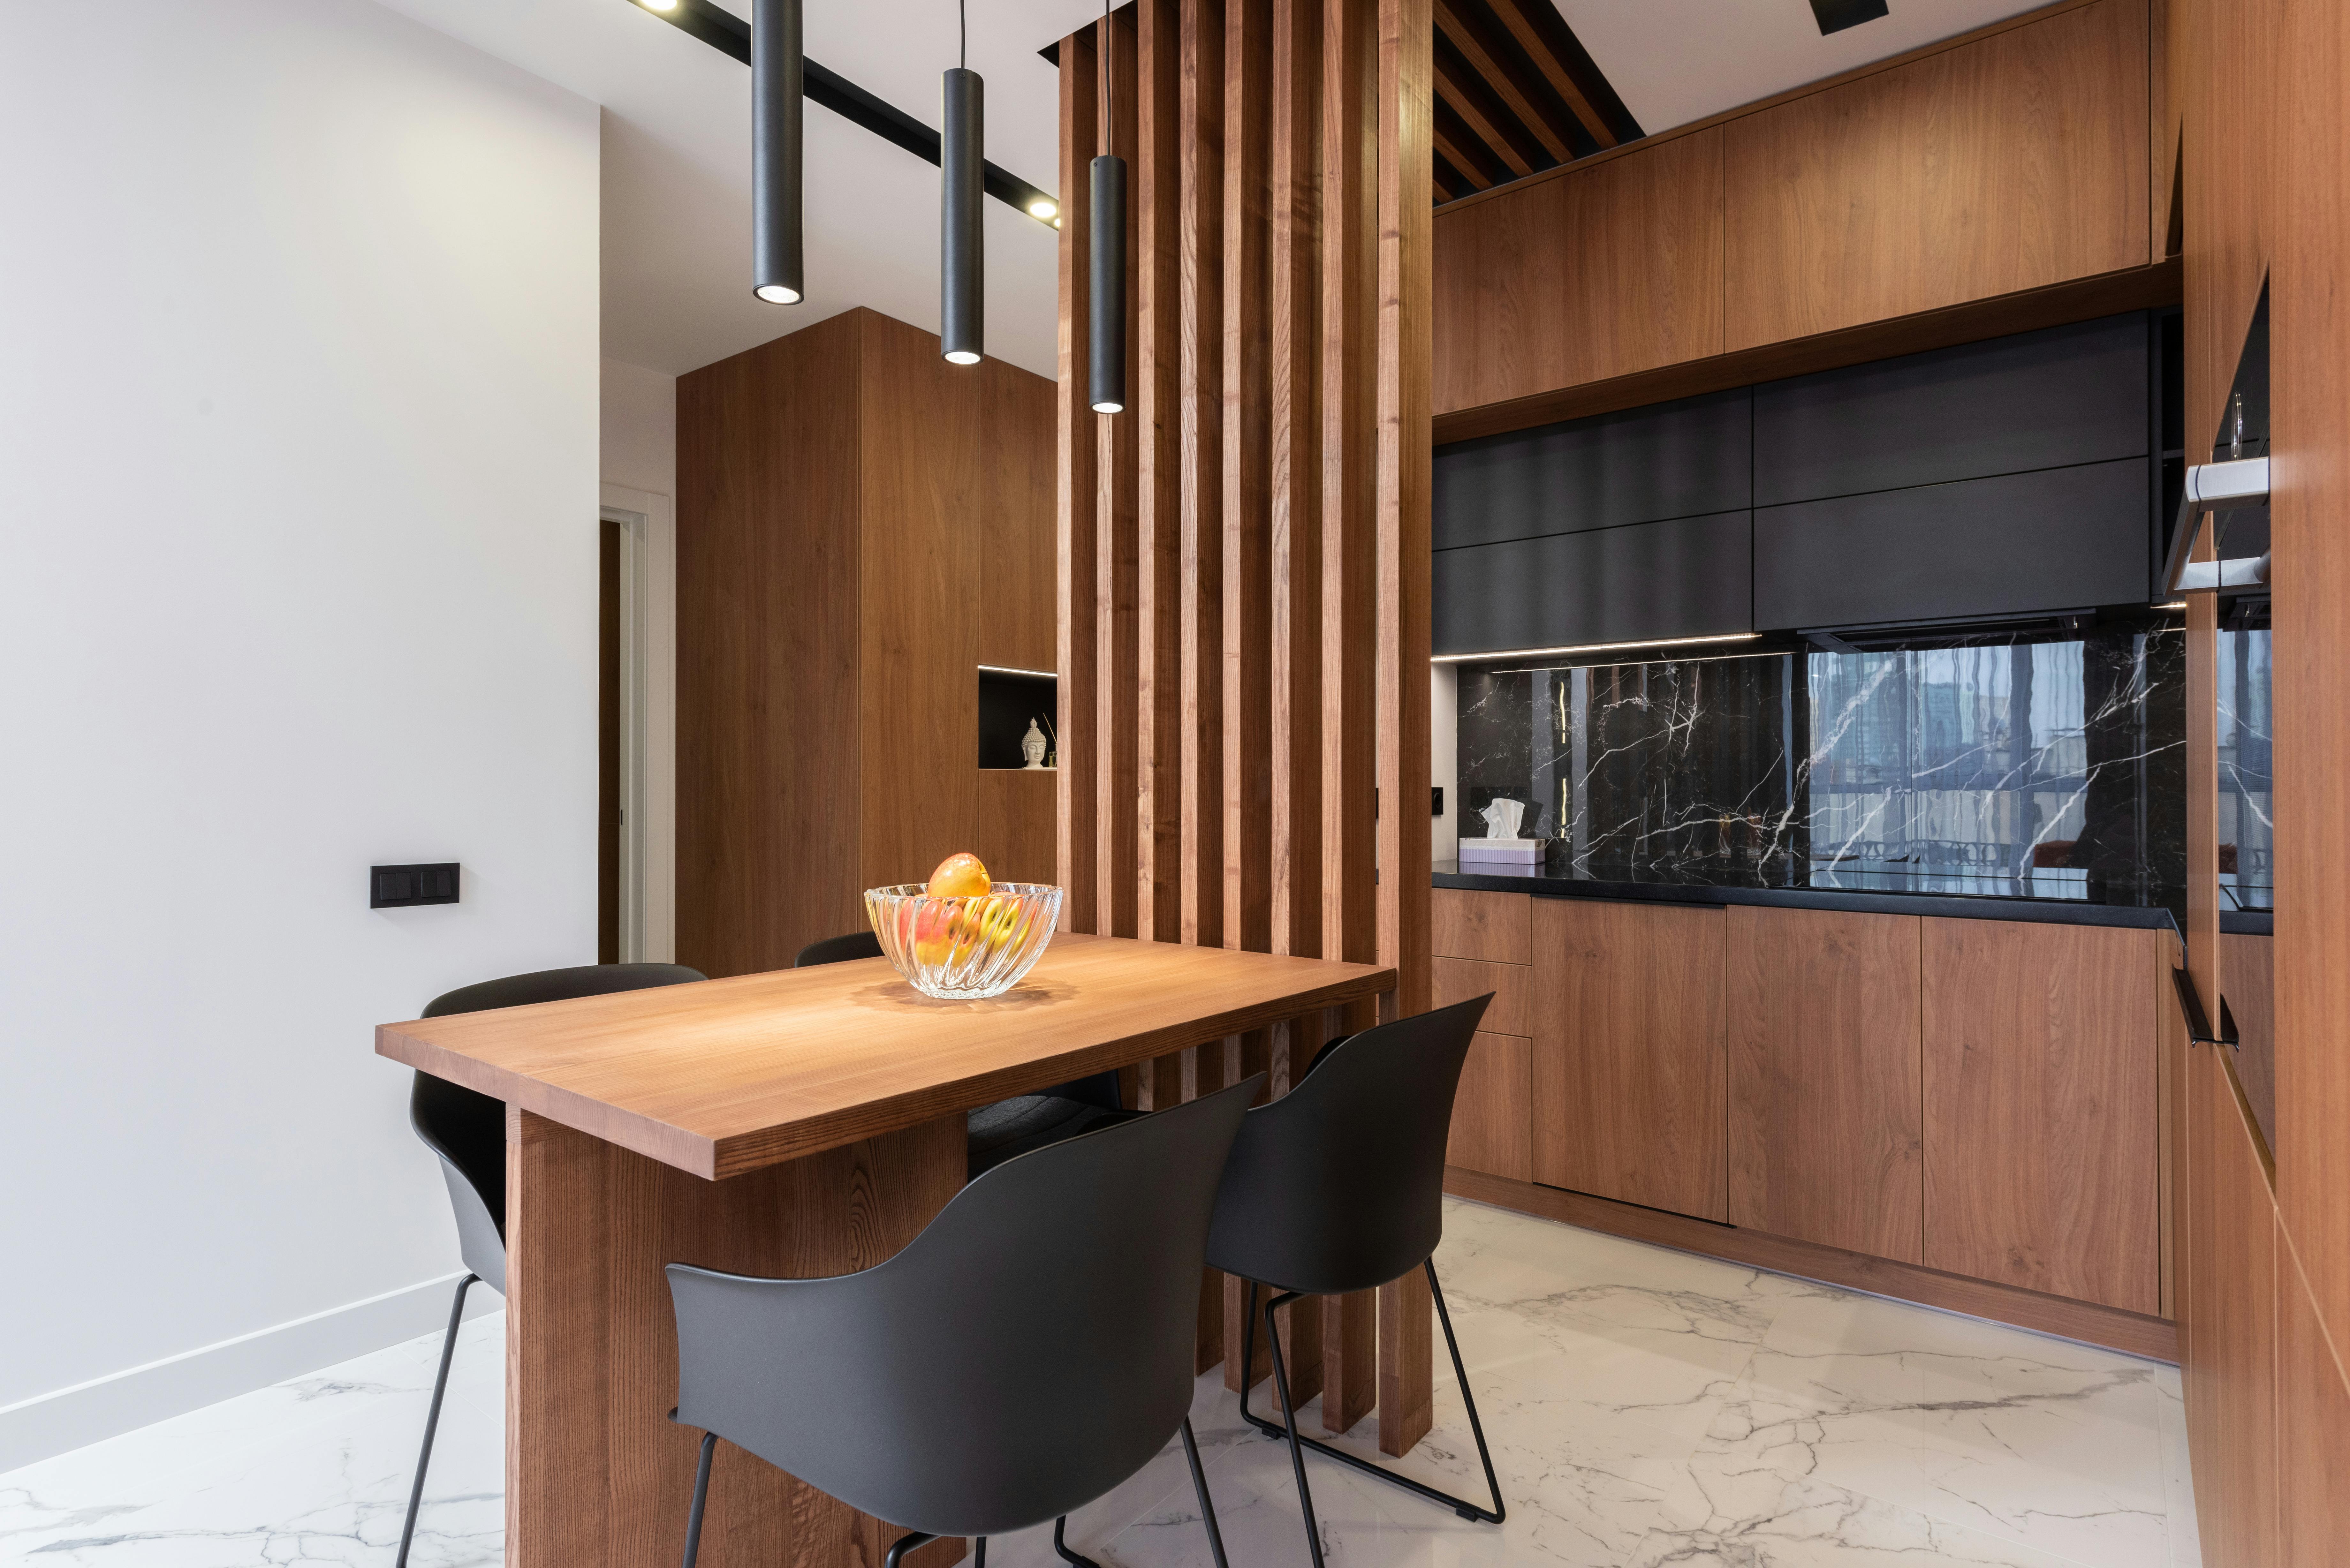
{"points": [[1460, 148], [1459, 87], [1511, 15], [1458, 22]]}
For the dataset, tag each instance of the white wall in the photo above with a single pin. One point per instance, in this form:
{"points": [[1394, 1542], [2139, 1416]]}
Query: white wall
{"points": [[639, 428], [298, 457], [640, 467]]}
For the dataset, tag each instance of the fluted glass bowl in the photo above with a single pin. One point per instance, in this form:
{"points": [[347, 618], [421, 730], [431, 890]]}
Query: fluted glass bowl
{"points": [[959, 950]]}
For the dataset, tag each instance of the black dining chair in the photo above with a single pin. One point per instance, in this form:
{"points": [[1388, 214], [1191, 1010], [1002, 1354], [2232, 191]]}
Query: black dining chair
{"points": [[468, 1130], [1338, 1186], [1026, 1353], [996, 1132]]}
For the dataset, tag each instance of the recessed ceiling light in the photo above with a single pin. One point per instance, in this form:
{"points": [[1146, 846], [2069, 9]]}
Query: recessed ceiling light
{"points": [[661, 5], [1041, 208]]}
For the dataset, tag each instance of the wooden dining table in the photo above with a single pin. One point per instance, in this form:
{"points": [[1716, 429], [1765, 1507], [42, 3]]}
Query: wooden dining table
{"points": [[802, 1123]]}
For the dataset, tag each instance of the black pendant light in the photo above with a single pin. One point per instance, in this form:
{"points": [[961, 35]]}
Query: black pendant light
{"points": [[1106, 338], [962, 254], [776, 184]]}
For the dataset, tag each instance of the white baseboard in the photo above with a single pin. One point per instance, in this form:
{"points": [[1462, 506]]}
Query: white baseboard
{"points": [[87, 1412]]}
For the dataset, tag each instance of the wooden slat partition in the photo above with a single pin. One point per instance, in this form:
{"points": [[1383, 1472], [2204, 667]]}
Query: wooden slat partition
{"points": [[1245, 564]]}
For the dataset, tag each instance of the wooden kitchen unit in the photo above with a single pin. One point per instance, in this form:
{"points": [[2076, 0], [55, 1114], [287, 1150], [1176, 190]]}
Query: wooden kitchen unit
{"points": [[1961, 1112]]}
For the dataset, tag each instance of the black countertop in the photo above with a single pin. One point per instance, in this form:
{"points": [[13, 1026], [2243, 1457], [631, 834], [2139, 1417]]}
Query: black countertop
{"points": [[1884, 893]]}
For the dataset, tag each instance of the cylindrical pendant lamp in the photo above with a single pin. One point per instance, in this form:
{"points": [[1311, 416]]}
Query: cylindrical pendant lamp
{"points": [[776, 184], [962, 256], [1106, 335]]}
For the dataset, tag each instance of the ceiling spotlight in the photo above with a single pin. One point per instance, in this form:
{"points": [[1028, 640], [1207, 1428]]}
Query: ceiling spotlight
{"points": [[1042, 208], [777, 294], [660, 5], [777, 69]]}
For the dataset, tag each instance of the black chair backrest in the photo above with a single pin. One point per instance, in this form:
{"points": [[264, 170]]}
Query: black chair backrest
{"points": [[839, 950], [1032, 1348], [468, 1130], [1338, 1185]]}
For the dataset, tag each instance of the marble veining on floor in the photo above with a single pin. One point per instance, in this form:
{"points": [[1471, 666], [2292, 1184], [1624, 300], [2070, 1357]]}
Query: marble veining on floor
{"points": [[1646, 1409]]}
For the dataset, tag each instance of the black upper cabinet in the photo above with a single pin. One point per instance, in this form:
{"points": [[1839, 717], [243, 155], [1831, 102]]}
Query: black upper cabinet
{"points": [[2056, 399], [2070, 539], [1686, 576], [1671, 459]]}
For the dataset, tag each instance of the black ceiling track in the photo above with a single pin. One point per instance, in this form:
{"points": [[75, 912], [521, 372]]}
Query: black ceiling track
{"points": [[730, 35]]}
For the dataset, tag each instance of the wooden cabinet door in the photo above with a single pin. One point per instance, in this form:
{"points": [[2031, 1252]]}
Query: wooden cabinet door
{"points": [[1487, 926], [1493, 1113], [2039, 1107], [1825, 1060], [2009, 163], [1628, 1074], [1591, 273]]}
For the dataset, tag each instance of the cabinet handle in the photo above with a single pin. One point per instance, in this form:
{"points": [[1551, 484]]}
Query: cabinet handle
{"points": [[2199, 1025]]}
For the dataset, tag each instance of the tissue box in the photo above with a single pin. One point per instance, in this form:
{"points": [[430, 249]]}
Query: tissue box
{"points": [[1503, 851]]}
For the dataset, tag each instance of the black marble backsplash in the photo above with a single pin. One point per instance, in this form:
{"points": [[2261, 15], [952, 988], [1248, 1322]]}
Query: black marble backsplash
{"points": [[2037, 767]]}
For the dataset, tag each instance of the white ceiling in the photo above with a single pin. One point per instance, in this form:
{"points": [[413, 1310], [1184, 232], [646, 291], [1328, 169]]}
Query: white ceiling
{"points": [[677, 132], [1672, 61], [677, 166]]}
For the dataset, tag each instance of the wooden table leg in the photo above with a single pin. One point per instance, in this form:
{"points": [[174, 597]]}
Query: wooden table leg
{"points": [[596, 1475], [1407, 1348]]}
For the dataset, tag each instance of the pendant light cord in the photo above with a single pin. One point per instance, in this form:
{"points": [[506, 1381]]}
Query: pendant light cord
{"points": [[1106, 53], [963, 30]]}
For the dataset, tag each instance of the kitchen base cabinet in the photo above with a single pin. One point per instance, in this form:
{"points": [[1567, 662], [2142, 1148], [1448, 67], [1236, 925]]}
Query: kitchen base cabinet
{"points": [[2040, 1108], [1826, 1141], [2231, 1330], [1629, 1076], [1493, 1113]]}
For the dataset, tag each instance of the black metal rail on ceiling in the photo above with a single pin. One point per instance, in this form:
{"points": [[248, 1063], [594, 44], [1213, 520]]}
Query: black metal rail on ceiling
{"points": [[730, 35]]}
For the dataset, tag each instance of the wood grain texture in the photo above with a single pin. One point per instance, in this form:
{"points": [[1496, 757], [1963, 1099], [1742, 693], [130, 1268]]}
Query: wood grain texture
{"points": [[2230, 1376], [2013, 163], [2312, 1420], [1246, 795], [1612, 270], [1159, 544], [1511, 1011], [1078, 491], [1630, 1073], [1497, 928], [595, 1474], [1012, 824], [2040, 1114], [767, 513], [1493, 1113], [2231, 182], [2129, 1332], [2311, 366], [729, 1075], [1200, 502], [2248, 982], [1826, 1065], [1117, 563], [2083, 299]]}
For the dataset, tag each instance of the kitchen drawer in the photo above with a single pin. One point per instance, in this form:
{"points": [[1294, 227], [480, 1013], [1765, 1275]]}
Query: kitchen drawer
{"points": [[1511, 1010]]}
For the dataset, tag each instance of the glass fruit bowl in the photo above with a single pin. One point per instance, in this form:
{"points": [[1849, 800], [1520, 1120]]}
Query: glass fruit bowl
{"points": [[959, 950]]}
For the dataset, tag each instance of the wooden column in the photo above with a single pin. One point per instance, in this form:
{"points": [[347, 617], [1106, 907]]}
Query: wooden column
{"points": [[1244, 553]]}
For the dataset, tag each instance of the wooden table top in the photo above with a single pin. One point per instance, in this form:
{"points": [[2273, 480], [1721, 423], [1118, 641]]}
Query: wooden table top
{"points": [[732, 1075]]}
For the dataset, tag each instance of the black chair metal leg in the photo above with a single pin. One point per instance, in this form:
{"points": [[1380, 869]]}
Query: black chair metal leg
{"points": [[1461, 1506], [1288, 1412], [432, 1418], [1199, 1485], [979, 1552], [906, 1543], [1062, 1546], [701, 1496]]}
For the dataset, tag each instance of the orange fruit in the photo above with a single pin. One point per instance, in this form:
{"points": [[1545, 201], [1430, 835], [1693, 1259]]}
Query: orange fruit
{"points": [[959, 875]]}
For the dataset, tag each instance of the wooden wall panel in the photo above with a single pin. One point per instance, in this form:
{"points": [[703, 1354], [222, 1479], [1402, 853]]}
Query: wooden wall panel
{"points": [[2040, 1108], [1012, 825], [1245, 554], [2312, 1420], [2310, 327], [2231, 1377], [1826, 1065], [767, 508], [1601, 271], [1629, 1067], [2011, 163]]}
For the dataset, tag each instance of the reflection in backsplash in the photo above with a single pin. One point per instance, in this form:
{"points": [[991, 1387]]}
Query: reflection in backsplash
{"points": [[2247, 770], [2048, 768]]}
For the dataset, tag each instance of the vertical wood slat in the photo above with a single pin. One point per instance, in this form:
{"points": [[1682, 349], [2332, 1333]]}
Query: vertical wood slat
{"points": [[1075, 848], [1245, 553], [1404, 456], [1116, 563], [1159, 683]]}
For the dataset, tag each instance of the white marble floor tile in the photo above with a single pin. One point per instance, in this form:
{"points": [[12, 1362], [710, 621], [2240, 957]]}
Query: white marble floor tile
{"points": [[1644, 1406]]}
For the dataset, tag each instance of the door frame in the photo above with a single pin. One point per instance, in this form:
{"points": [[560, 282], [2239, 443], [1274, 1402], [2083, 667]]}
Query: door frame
{"points": [[648, 722]]}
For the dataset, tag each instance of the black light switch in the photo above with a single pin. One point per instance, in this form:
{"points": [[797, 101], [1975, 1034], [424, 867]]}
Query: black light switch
{"points": [[1436, 800], [398, 887]]}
